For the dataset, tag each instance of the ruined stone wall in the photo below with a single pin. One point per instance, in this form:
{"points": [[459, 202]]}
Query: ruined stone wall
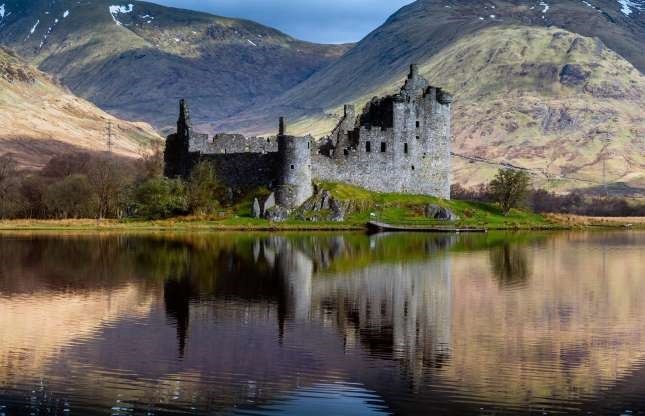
{"points": [[246, 171], [233, 143], [413, 156], [399, 143], [242, 163]]}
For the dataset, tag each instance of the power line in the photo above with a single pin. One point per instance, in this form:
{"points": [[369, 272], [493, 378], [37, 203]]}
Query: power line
{"points": [[541, 172], [109, 135]]}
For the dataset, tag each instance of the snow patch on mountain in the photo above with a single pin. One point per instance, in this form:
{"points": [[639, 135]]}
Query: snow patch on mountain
{"points": [[629, 5], [44, 39], [115, 10], [586, 3], [33, 29], [50, 29], [2, 11]]}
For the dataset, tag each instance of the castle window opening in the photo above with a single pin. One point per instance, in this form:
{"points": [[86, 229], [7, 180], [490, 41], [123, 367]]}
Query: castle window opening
{"points": [[368, 147], [292, 167], [418, 137], [383, 147], [412, 167], [405, 148], [418, 124]]}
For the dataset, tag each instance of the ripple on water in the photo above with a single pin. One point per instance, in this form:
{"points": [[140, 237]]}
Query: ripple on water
{"points": [[344, 324]]}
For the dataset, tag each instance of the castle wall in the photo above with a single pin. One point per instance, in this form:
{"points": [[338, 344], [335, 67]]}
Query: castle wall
{"points": [[246, 171], [380, 173], [232, 143], [241, 163], [416, 156], [402, 145]]}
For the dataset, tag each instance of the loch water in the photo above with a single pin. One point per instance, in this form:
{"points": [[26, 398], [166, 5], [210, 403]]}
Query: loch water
{"points": [[322, 324]]}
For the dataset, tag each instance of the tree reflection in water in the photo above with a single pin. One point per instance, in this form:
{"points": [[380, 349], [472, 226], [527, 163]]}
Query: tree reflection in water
{"points": [[510, 265], [222, 320]]}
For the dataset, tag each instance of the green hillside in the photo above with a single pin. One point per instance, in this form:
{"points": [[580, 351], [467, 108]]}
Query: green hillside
{"points": [[138, 61]]}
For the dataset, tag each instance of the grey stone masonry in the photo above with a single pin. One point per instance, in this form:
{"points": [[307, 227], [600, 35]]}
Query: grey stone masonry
{"points": [[401, 143], [295, 182], [398, 143]]}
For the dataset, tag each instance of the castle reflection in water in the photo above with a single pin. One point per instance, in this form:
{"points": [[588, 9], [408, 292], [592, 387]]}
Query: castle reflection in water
{"points": [[410, 324], [396, 309]]}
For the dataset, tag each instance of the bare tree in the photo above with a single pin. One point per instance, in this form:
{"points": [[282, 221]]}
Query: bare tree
{"points": [[61, 166], [8, 167], [11, 201], [71, 197], [109, 178], [151, 160]]}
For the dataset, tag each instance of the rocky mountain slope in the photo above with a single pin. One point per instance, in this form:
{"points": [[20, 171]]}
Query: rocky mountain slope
{"points": [[136, 59], [39, 119], [554, 87]]}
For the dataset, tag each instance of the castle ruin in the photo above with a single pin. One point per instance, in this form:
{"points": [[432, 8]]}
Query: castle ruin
{"points": [[399, 143]]}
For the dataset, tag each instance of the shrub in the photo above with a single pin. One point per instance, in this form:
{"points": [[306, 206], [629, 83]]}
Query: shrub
{"points": [[479, 193], [158, 198], [71, 197], [510, 188], [204, 189]]}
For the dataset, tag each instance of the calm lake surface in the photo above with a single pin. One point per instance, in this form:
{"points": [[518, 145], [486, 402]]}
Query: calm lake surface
{"points": [[322, 324]]}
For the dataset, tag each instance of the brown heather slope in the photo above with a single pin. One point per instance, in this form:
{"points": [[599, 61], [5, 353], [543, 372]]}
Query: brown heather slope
{"points": [[502, 59], [424, 28], [39, 119], [547, 100], [543, 99]]}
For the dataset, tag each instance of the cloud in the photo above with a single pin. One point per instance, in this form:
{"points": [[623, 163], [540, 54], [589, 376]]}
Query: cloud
{"points": [[327, 21]]}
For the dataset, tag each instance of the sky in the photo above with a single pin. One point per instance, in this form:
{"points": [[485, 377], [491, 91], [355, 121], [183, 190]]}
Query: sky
{"points": [[323, 21]]}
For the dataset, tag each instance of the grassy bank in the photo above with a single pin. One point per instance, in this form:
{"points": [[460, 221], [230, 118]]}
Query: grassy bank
{"points": [[406, 209], [365, 206], [176, 224]]}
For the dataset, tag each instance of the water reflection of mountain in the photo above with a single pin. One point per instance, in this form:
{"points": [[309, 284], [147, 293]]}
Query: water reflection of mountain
{"points": [[222, 320]]}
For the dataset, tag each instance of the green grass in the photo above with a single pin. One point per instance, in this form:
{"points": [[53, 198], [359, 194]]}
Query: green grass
{"points": [[409, 209], [392, 208]]}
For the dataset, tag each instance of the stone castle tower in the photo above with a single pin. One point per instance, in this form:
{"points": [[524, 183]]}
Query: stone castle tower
{"points": [[176, 155], [295, 180]]}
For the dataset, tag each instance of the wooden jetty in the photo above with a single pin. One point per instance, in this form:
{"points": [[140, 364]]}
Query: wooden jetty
{"points": [[380, 227]]}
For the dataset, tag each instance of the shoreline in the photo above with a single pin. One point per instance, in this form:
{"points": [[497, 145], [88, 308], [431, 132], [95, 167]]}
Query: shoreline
{"points": [[557, 222]]}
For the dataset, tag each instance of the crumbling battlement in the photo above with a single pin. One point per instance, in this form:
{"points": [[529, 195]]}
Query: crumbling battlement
{"points": [[399, 143]]}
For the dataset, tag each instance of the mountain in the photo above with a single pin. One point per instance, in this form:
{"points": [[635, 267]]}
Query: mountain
{"points": [[554, 87], [40, 119], [137, 59]]}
